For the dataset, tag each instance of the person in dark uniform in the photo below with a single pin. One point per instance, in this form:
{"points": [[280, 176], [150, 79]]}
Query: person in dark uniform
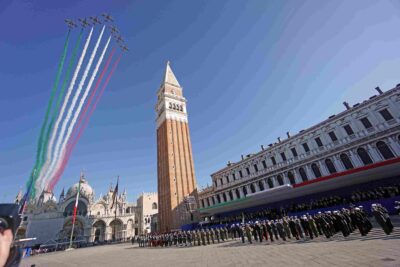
{"points": [[217, 234], [292, 226], [202, 236], [264, 230], [281, 230], [269, 229], [285, 224], [274, 230], [212, 235], [298, 227], [207, 232], [382, 217], [242, 232]]}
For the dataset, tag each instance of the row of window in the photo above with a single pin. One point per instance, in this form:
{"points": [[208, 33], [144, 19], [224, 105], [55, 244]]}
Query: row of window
{"points": [[362, 153], [332, 135]]}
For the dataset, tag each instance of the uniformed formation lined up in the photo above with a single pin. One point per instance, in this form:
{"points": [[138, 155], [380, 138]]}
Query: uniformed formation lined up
{"points": [[307, 226]]}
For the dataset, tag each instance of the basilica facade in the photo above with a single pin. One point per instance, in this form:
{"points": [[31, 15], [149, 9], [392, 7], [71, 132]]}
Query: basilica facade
{"points": [[50, 221]]}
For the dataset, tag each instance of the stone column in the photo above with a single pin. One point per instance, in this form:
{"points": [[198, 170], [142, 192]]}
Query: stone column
{"points": [[355, 159], [323, 168], [309, 172], [394, 145], [338, 164], [376, 157]]}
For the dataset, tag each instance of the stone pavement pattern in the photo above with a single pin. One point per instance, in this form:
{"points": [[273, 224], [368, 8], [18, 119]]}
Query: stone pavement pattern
{"points": [[376, 249]]}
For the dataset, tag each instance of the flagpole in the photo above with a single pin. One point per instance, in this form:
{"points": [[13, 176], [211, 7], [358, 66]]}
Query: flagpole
{"points": [[75, 210], [115, 195]]}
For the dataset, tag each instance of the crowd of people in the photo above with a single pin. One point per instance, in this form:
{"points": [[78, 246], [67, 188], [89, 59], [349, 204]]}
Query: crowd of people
{"points": [[314, 204], [354, 198], [307, 226]]}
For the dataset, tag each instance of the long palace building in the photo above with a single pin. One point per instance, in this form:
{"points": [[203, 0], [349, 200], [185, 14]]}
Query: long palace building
{"points": [[357, 147]]}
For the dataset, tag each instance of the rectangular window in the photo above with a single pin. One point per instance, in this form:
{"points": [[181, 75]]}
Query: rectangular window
{"points": [[227, 179], [386, 114], [306, 148], [264, 164], [294, 152], [256, 167], [273, 160], [318, 141], [333, 137], [283, 156], [234, 176], [241, 174], [348, 129], [248, 171], [367, 124]]}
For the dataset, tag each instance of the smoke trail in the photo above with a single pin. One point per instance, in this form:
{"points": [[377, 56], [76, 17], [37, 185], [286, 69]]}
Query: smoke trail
{"points": [[59, 99], [78, 111], [73, 141], [67, 154], [61, 114], [61, 139], [49, 105]]}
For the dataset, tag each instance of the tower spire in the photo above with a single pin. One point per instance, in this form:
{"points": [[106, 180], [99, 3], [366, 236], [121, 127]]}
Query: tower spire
{"points": [[169, 76]]}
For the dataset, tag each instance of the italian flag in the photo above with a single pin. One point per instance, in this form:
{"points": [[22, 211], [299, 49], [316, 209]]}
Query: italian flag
{"points": [[76, 201]]}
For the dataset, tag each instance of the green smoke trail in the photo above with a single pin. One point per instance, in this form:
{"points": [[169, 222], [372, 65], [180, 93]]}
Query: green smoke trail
{"points": [[34, 173], [59, 99]]}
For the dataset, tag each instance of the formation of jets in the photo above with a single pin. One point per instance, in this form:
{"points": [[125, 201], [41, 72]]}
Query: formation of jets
{"points": [[70, 23], [95, 20]]}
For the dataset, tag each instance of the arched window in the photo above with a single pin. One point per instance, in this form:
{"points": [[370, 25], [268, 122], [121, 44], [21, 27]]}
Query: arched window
{"points": [[261, 185], [224, 196], [252, 188], [230, 195], [316, 170], [208, 202], [384, 150], [270, 183], [291, 178], [330, 166], [215, 183], [218, 199], [212, 200], [154, 206], [202, 203], [364, 156], [303, 174], [346, 161], [280, 179], [237, 193], [244, 191]]}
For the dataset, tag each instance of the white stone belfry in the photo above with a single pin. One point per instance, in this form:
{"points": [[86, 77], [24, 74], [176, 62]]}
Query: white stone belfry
{"points": [[171, 104]]}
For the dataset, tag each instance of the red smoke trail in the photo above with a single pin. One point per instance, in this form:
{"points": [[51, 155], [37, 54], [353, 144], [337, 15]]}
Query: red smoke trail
{"points": [[71, 144]]}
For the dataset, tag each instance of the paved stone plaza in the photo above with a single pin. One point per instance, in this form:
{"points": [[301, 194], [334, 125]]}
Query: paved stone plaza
{"points": [[376, 249]]}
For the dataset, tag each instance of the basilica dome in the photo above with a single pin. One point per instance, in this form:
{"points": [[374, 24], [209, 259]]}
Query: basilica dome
{"points": [[86, 190]]}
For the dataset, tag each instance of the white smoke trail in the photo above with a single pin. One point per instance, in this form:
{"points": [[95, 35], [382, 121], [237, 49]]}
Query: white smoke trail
{"points": [[69, 113], [58, 160], [39, 183]]}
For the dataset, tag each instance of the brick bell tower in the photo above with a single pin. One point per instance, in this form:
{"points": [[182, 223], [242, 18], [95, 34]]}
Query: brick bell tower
{"points": [[177, 187]]}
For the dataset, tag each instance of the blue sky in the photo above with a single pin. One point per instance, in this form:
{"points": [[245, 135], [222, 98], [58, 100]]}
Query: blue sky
{"points": [[251, 71]]}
